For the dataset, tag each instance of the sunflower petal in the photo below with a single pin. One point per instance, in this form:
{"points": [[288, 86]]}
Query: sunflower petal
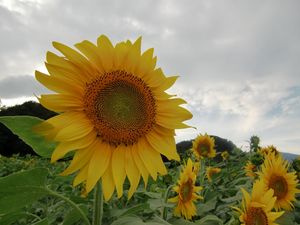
{"points": [[118, 169], [98, 164], [132, 172], [64, 147], [108, 184]]}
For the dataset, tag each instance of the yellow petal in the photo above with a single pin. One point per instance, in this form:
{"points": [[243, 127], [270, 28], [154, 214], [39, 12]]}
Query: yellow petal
{"points": [[147, 63], [58, 85], [91, 51], [133, 57], [81, 176], [74, 76], [165, 145], [64, 147], [170, 122], [108, 184], [118, 168], [80, 159], [74, 56], [107, 52], [151, 159], [132, 172], [61, 102], [121, 50], [75, 131], [139, 163], [98, 164], [155, 78]]}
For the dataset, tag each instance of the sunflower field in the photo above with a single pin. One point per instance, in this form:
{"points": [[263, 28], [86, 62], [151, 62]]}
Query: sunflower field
{"points": [[109, 155]]}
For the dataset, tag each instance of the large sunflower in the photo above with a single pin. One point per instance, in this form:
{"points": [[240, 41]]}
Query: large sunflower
{"points": [[114, 112], [186, 190], [203, 147], [256, 209], [275, 176]]}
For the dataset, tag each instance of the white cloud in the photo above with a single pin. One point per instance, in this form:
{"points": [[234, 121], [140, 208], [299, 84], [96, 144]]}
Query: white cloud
{"points": [[238, 61]]}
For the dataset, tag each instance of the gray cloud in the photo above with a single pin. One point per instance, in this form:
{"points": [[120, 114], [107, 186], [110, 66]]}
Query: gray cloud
{"points": [[20, 86], [238, 60]]}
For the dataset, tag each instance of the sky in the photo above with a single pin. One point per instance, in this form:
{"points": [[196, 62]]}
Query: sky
{"points": [[238, 61]]}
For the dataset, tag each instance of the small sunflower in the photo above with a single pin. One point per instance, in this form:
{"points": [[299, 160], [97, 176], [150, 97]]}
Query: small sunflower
{"points": [[187, 193], [203, 147], [211, 172], [225, 155], [275, 175], [250, 169], [114, 112], [270, 149], [256, 209]]}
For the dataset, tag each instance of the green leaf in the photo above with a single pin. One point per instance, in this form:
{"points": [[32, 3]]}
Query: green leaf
{"points": [[73, 216], [11, 217], [130, 220], [22, 127], [42, 222], [23, 188], [130, 211], [286, 218], [180, 221], [203, 208], [210, 220]]}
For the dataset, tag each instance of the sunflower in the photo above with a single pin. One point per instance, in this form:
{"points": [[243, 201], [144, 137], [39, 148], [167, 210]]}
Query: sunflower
{"points": [[256, 209], [186, 190], [114, 112], [250, 169], [203, 147], [275, 176], [211, 172], [225, 155], [268, 150]]}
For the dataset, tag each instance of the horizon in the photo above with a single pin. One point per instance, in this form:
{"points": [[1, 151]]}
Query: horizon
{"points": [[237, 61]]}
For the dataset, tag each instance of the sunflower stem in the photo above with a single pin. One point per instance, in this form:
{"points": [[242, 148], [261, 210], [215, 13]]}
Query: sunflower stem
{"points": [[164, 210], [98, 204], [81, 213]]}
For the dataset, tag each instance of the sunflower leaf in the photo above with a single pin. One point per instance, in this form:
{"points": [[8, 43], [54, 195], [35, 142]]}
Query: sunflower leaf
{"points": [[22, 127], [20, 189], [210, 220]]}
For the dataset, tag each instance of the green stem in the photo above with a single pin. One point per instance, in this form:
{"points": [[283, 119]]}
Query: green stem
{"points": [[164, 210], [86, 220], [98, 204]]}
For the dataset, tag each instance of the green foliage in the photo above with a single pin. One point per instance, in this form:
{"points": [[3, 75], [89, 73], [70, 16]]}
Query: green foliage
{"points": [[23, 127], [21, 177], [254, 143], [20, 189], [9, 143]]}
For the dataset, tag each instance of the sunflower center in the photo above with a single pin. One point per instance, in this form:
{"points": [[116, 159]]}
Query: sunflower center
{"points": [[279, 185], [121, 107], [203, 150], [186, 190], [256, 216]]}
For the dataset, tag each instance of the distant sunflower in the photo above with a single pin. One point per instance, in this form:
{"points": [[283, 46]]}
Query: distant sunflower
{"points": [[203, 147], [114, 112], [250, 169], [275, 176], [225, 155], [211, 172], [187, 193], [256, 209], [270, 149]]}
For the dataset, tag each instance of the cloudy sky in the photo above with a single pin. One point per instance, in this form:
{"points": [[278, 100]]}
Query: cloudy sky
{"points": [[238, 61]]}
